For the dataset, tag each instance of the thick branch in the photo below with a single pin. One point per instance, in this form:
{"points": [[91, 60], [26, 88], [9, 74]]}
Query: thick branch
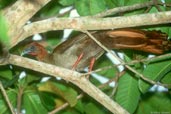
{"points": [[71, 76], [20, 12], [85, 23]]}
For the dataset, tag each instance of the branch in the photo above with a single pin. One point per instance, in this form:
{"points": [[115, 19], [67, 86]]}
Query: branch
{"points": [[125, 64], [125, 9], [6, 98], [74, 77], [19, 13], [87, 23]]}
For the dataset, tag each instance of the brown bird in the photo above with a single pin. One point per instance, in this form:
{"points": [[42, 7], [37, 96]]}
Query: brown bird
{"points": [[81, 46]]}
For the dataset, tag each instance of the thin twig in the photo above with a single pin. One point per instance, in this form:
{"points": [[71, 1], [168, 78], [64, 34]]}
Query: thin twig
{"points": [[122, 62], [124, 9], [64, 105], [19, 99], [145, 61], [7, 99]]}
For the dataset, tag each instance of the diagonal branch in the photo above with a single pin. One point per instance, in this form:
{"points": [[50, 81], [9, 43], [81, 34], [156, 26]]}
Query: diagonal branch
{"points": [[19, 13], [126, 65], [6, 98], [74, 77]]}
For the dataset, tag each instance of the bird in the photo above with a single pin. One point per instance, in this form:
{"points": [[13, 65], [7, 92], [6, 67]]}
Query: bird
{"points": [[83, 47]]}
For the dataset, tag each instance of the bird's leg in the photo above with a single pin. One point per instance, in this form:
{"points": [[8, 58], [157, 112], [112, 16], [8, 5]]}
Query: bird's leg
{"points": [[91, 66], [77, 61]]}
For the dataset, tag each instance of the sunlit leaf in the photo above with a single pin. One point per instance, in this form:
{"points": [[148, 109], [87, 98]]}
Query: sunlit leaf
{"points": [[61, 90]]}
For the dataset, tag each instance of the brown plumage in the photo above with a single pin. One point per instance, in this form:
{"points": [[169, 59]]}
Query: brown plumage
{"points": [[66, 53]]}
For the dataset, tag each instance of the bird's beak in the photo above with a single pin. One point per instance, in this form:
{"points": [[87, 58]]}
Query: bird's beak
{"points": [[26, 51]]}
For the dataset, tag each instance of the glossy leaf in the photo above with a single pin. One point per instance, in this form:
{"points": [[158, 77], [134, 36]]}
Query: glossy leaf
{"points": [[154, 71]]}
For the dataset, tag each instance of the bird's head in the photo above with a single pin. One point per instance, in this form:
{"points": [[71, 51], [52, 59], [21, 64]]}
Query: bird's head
{"points": [[35, 49]]}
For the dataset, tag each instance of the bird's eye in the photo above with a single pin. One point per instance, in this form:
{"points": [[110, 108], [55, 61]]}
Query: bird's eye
{"points": [[32, 48]]}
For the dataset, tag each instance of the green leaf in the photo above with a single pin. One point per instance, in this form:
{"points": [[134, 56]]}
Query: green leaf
{"points": [[66, 2], [91, 108], [158, 103], [96, 6], [155, 72], [65, 92], [128, 94], [79, 106], [127, 2], [12, 95], [4, 3], [4, 31], [82, 7], [109, 4], [48, 100], [51, 9], [104, 62], [90, 7], [54, 38], [5, 72], [166, 79], [32, 104]]}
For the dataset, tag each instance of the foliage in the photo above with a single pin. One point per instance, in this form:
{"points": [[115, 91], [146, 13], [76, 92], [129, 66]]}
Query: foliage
{"points": [[42, 97], [4, 29]]}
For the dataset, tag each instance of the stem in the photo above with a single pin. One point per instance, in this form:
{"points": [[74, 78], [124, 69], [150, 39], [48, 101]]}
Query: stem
{"points": [[19, 99], [7, 99]]}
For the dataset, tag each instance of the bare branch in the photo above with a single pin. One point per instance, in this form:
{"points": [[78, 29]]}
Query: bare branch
{"points": [[87, 23], [125, 8], [19, 13], [71, 76]]}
